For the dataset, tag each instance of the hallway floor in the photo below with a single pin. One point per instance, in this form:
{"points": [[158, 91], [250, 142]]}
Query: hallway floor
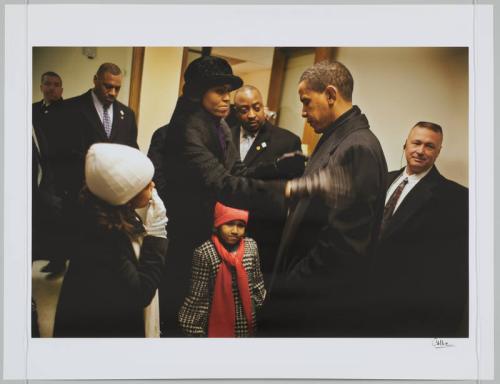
{"points": [[46, 293]]}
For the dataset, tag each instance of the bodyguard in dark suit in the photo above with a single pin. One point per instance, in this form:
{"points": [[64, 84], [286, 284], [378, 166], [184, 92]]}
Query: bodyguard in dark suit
{"points": [[105, 119], [422, 259], [45, 116], [95, 116], [42, 111], [260, 142], [329, 237], [45, 205]]}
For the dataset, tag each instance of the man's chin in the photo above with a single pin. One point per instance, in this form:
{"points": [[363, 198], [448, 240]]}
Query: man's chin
{"points": [[318, 130], [418, 168], [252, 129]]}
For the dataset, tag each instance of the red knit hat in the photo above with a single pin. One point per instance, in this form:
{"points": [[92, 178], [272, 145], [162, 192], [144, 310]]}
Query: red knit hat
{"points": [[223, 214]]}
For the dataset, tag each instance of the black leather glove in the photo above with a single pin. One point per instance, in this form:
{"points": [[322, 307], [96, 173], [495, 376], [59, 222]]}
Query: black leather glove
{"points": [[332, 184], [291, 164]]}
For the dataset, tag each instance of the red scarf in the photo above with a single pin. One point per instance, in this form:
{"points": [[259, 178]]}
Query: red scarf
{"points": [[222, 317]]}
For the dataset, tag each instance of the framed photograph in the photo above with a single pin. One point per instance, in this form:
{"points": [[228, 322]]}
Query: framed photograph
{"points": [[419, 77]]}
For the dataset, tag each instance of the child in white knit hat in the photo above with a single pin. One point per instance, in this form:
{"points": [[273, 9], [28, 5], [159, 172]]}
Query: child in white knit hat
{"points": [[110, 289]]}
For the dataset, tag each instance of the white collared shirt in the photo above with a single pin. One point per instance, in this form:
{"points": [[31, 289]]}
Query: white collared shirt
{"points": [[100, 108], [412, 181], [246, 141]]}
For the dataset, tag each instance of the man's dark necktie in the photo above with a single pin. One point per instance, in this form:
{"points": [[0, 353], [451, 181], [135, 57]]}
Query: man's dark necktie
{"points": [[391, 204], [106, 120]]}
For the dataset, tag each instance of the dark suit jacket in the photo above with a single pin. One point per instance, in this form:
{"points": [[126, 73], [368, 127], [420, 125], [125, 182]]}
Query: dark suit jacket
{"points": [[319, 279], [270, 143], [124, 128], [278, 141], [42, 116], [422, 262], [78, 126]]}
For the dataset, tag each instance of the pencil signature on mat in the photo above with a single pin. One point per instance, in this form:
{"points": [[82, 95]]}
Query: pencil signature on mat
{"points": [[441, 343]]}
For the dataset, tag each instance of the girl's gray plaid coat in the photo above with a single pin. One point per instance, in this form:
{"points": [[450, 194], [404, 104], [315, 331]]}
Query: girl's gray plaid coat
{"points": [[193, 315]]}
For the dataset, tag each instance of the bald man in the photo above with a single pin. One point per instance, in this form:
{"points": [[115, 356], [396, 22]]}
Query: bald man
{"points": [[259, 142]]}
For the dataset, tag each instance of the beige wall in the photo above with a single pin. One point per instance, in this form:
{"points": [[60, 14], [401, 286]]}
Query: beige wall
{"points": [[76, 70], [289, 114], [159, 91], [396, 87], [259, 79]]}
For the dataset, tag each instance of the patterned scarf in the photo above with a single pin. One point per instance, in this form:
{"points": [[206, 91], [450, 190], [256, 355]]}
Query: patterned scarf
{"points": [[222, 317]]}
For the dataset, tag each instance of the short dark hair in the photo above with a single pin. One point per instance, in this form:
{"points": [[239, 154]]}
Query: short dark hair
{"points": [[108, 67], [51, 74], [432, 126], [326, 73]]}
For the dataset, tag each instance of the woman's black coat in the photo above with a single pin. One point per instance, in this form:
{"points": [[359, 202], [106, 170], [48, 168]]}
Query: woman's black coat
{"points": [[199, 172], [106, 288]]}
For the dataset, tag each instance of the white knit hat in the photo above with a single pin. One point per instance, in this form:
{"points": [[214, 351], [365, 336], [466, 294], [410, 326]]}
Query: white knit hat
{"points": [[116, 173]]}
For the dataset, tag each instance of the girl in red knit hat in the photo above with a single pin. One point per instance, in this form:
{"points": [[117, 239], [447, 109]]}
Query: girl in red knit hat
{"points": [[226, 281]]}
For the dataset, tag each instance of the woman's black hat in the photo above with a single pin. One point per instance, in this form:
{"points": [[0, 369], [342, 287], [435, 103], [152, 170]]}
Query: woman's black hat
{"points": [[206, 72]]}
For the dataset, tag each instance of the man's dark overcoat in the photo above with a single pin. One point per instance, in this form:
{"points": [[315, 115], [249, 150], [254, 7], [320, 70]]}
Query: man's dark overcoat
{"points": [[319, 281], [422, 262]]}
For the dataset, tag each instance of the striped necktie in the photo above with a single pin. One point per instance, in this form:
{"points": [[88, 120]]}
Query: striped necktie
{"points": [[391, 204], [106, 121]]}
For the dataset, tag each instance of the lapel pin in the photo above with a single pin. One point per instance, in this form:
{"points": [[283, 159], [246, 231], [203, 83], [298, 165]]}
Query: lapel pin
{"points": [[264, 144], [122, 114], [258, 148]]}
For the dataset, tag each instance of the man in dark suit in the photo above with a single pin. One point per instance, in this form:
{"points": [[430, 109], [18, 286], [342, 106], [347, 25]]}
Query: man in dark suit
{"points": [[44, 212], [422, 259], [257, 140], [51, 88], [319, 282], [260, 142], [95, 116]]}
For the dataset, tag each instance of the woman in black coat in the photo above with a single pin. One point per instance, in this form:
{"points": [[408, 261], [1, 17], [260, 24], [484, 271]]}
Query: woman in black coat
{"points": [[202, 166], [116, 270]]}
